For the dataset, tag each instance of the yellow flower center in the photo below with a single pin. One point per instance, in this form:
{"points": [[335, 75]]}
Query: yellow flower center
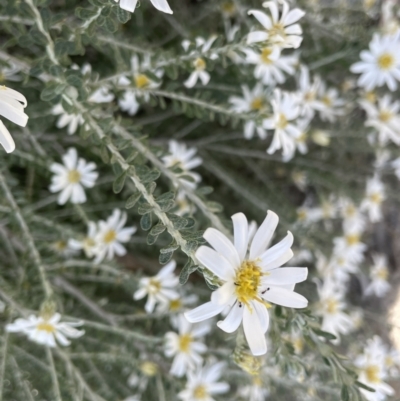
{"points": [[200, 64], [301, 215], [277, 29], [376, 197], [200, 392], [350, 211], [327, 101], [88, 243], [257, 381], [386, 61], [302, 138], [309, 97], [175, 305], [331, 305], [228, 8], [154, 286], [389, 362], [257, 103], [142, 81], [370, 96], [352, 239], [149, 368], [282, 121], [372, 373], [298, 345], [382, 274], [110, 236], [60, 245], [247, 282], [265, 53], [385, 116], [74, 176], [184, 342], [46, 326]]}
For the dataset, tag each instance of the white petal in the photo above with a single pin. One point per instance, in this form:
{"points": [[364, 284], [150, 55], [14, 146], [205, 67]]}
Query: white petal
{"points": [[281, 296], [225, 295], [222, 245], [256, 36], [162, 5], [262, 18], [279, 254], [233, 320], [215, 262], [254, 333], [203, 312], [6, 139], [286, 275], [262, 313], [128, 5], [263, 235], [241, 234]]}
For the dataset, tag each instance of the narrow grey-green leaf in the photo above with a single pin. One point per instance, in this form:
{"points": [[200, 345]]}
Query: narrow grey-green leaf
{"points": [[119, 183]]}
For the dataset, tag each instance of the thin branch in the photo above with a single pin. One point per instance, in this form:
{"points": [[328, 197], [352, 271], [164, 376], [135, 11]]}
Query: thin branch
{"points": [[53, 372]]}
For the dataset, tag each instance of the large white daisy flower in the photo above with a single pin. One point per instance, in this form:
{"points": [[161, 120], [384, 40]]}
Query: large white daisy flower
{"points": [[130, 5], [110, 234], [281, 31], [71, 177], [46, 331], [380, 65], [160, 288], [250, 280], [12, 105]]}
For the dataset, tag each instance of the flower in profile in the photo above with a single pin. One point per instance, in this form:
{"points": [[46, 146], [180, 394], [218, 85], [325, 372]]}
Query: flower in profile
{"points": [[285, 109], [88, 244], [184, 158], [379, 276], [160, 288], [12, 104], [185, 347], [270, 65], [380, 65], [130, 5], [278, 30], [71, 177], [199, 72], [203, 383], [375, 195], [46, 330], [332, 103], [73, 121], [308, 94], [254, 100], [110, 234], [250, 280]]}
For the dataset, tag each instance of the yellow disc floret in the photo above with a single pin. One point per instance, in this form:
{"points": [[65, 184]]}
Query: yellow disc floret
{"points": [[110, 236], [372, 373], [184, 342], [46, 326], [386, 61], [74, 176]]}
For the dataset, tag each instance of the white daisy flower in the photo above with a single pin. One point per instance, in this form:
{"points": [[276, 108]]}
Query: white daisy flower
{"points": [[372, 371], [385, 118], [308, 94], [199, 72], [110, 234], [12, 104], [285, 109], [300, 143], [332, 103], [375, 195], [350, 246], [270, 65], [73, 121], [278, 30], [130, 5], [184, 158], [380, 65], [379, 276], [256, 391], [252, 101], [46, 331], [353, 219], [185, 347], [129, 103], [203, 384], [101, 95], [249, 280], [88, 244], [331, 307], [71, 177], [160, 289]]}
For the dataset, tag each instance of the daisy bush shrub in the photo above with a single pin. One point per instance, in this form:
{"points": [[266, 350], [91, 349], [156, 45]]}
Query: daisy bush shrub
{"points": [[198, 200]]}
